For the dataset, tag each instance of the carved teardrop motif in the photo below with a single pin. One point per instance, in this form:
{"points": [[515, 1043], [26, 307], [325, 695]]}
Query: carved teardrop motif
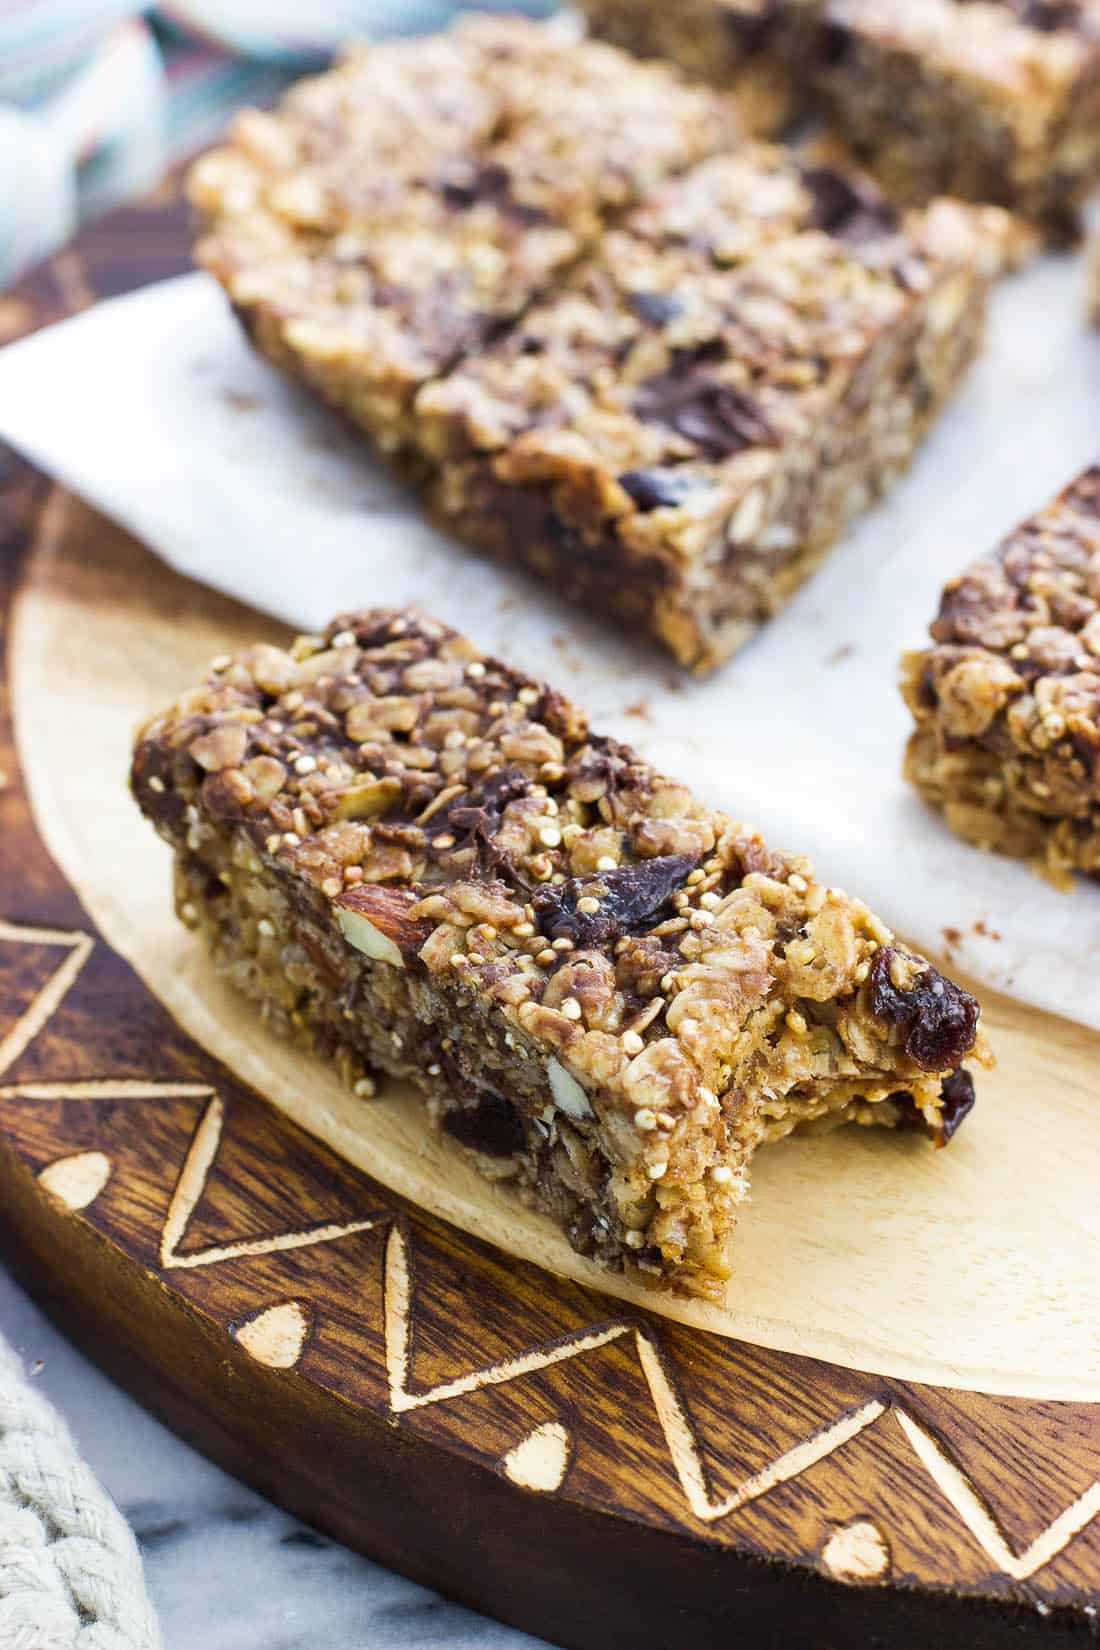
{"points": [[857, 1552], [539, 1461], [276, 1336], [78, 1180]]}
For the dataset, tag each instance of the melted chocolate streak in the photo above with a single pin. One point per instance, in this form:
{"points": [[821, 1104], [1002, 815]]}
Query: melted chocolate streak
{"points": [[474, 821], [630, 899], [716, 418]]}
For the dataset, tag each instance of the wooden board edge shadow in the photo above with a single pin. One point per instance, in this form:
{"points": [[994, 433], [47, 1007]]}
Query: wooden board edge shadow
{"points": [[580, 1576]]}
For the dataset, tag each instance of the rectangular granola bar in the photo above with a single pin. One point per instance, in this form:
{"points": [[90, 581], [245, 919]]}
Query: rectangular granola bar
{"points": [[391, 215], [993, 100], [418, 860], [1007, 698], [680, 432]]}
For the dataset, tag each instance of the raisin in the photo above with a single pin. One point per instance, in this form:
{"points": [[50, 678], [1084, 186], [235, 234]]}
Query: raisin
{"points": [[937, 1018], [629, 899], [957, 1099]]}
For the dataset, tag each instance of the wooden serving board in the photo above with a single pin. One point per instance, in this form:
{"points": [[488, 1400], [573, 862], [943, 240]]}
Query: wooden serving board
{"points": [[292, 1301]]}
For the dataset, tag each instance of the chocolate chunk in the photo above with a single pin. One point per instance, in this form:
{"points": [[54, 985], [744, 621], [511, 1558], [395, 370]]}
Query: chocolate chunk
{"points": [[957, 1100], [848, 209], [153, 781], [751, 30], [492, 184], [938, 1019], [474, 818], [717, 418], [655, 308], [492, 1127], [834, 40], [660, 487], [606, 762], [481, 183], [720, 421], [629, 900]]}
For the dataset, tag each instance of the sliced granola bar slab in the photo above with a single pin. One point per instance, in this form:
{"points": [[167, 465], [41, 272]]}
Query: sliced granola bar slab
{"points": [[420, 861], [1007, 698], [684, 428], [393, 213]]}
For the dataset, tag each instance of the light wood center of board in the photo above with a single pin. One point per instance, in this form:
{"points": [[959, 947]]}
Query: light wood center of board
{"points": [[973, 1267]]}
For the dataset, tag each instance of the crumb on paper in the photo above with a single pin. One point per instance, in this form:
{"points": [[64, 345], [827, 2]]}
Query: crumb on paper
{"points": [[241, 400], [565, 647]]}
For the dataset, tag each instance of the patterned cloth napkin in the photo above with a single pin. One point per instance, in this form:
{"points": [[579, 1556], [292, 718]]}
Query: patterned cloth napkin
{"points": [[98, 97]]}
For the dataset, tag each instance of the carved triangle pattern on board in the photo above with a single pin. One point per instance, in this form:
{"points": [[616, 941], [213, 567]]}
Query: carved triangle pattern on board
{"points": [[48, 999], [398, 1308]]}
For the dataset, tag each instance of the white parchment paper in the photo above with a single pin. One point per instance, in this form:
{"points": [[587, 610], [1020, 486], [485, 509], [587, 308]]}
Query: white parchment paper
{"points": [[154, 409]]}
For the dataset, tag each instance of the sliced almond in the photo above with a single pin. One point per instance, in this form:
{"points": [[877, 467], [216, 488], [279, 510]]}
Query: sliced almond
{"points": [[222, 747], [368, 800], [376, 921], [569, 1097], [360, 932], [266, 775]]}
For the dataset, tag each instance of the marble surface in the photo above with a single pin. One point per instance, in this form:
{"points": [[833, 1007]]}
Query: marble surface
{"points": [[227, 1569]]}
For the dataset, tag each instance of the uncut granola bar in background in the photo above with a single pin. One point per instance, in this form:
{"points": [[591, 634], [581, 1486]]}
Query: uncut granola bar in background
{"points": [[683, 429], [993, 100], [394, 213], [754, 49], [1007, 698], [419, 861]]}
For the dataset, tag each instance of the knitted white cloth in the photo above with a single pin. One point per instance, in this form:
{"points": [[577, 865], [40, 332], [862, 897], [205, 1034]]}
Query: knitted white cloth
{"points": [[70, 1571]]}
